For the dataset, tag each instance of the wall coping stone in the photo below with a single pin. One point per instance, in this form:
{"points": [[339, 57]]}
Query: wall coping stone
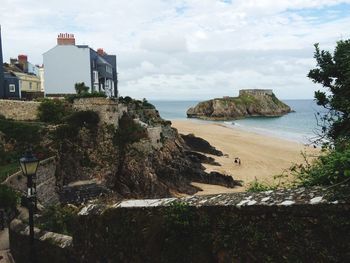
{"points": [[60, 240], [281, 197]]}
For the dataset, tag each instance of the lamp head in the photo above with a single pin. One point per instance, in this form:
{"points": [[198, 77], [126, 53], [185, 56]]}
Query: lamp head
{"points": [[29, 163]]}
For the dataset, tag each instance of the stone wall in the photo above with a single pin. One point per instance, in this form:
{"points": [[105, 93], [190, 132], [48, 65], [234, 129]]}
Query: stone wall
{"points": [[49, 247], [256, 92], [46, 182], [154, 136], [109, 111], [298, 225], [19, 110]]}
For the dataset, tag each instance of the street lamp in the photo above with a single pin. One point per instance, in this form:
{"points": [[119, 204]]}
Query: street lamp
{"points": [[29, 165]]}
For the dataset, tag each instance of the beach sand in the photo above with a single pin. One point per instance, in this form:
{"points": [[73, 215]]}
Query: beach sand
{"points": [[262, 156]]}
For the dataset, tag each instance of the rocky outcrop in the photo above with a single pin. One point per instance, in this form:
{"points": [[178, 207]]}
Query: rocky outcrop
{"points": [[143, 158], [248, 104], [200, 145]]}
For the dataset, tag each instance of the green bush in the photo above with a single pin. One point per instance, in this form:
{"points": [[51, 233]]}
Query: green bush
{"points": [[8, 197], [147, 105], [328, 169], [8, 169], [88, 119], [257, 186], [53, 111], [74, 122], [129, 131], [94, 94], [80, 88], [125, 100], [20, 135], [59, 219]]}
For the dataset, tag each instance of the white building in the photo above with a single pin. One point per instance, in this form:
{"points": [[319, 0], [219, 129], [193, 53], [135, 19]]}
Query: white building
{"points": [[67, 64]]}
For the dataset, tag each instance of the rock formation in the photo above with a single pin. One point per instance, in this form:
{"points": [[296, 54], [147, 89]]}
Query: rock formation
{"points": [[144, 157], [249, 103]]}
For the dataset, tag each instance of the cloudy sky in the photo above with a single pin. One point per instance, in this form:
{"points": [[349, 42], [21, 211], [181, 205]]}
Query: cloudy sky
{"points": [[187, 49]]}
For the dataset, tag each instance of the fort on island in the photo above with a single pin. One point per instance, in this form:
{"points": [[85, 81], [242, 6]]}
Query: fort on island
{"points": [[255, 92]]}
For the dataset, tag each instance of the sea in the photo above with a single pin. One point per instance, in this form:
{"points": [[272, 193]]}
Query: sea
{"points": [[300, 125]]}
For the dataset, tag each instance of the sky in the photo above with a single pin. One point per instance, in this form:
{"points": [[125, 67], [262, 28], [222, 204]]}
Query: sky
{"points": [[187, 49]]}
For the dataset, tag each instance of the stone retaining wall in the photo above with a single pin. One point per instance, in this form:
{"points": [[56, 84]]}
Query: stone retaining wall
{"points": [[19, 110], [109, 111], [46, 182], [299, 225], [49, 247]]}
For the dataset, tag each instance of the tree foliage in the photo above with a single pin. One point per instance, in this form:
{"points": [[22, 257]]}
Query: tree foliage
{"points": [[333, 72], [53, 111], [128, 132], [8, 197], [59, 219], [80, 88]]}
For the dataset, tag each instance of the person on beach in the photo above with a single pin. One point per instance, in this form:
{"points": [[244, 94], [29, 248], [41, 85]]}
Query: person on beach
{"points": [[238, 160]]}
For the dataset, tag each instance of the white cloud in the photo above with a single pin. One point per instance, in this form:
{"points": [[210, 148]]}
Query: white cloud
{"points": [[187, 48]]}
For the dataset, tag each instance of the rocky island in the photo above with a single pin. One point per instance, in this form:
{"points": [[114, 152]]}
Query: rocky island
{"points": [[249, 103]]}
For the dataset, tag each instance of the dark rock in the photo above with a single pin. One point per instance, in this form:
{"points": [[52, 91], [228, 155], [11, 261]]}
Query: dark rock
{"points": [[200, 145], [201, 158]]}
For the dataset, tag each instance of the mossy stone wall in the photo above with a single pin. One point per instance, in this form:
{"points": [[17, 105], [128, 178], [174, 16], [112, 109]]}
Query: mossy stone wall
{"points": [[183, 233]]}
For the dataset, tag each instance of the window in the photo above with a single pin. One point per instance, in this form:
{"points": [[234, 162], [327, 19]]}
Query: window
{"points": [[95, 73], [30, 85], [109, 69], [12, 88]]}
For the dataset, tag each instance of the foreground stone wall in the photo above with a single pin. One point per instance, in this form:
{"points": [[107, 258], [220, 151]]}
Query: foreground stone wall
{"points": [[300, 225], [49, 247], [19, 110], [108, 110], [283, 226]]}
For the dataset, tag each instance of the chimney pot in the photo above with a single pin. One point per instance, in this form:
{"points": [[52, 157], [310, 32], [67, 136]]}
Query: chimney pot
{"points": [[65, 39]]}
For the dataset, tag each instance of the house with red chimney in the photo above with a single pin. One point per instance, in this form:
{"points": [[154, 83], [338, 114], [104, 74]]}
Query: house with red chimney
{"points": [[19, 79], [22, 79], [67, 64]]}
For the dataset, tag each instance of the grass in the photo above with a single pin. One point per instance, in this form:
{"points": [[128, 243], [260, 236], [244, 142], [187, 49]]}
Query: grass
{"points": [[257, 186], [8, 169]]}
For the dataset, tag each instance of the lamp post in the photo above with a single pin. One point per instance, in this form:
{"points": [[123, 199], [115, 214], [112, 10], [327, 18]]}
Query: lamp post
{"points": [[29, 165]]}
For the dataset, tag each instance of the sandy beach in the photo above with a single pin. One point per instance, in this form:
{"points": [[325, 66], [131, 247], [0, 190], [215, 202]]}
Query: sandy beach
{"points": [[262, 156]]}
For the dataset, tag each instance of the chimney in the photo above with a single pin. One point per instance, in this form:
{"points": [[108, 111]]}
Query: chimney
{"points": [[23, 61], [65, 39], [101, 52]]}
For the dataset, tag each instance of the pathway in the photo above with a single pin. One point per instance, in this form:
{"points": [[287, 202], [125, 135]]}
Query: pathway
{"points": [[5, 255]]}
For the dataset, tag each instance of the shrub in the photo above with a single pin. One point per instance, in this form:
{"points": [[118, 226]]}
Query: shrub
{"points": [[94, 94], [88, 119], [74, 122], [328, 169], [125, 100], [80, 88], [129, 131], [8, 197], [257, 186], [59, 219], [52, 111], [147, 105]]}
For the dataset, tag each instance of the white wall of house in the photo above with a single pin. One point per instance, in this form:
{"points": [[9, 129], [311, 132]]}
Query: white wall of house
{"points": [[42, 78], [66, 65]]}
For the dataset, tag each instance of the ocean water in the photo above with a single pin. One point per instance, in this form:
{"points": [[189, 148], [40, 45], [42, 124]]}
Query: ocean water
{"points": [[300, 125]]}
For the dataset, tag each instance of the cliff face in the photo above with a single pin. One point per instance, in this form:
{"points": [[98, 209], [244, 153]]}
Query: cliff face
{"points": [[245, 105], [143, 158]]}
